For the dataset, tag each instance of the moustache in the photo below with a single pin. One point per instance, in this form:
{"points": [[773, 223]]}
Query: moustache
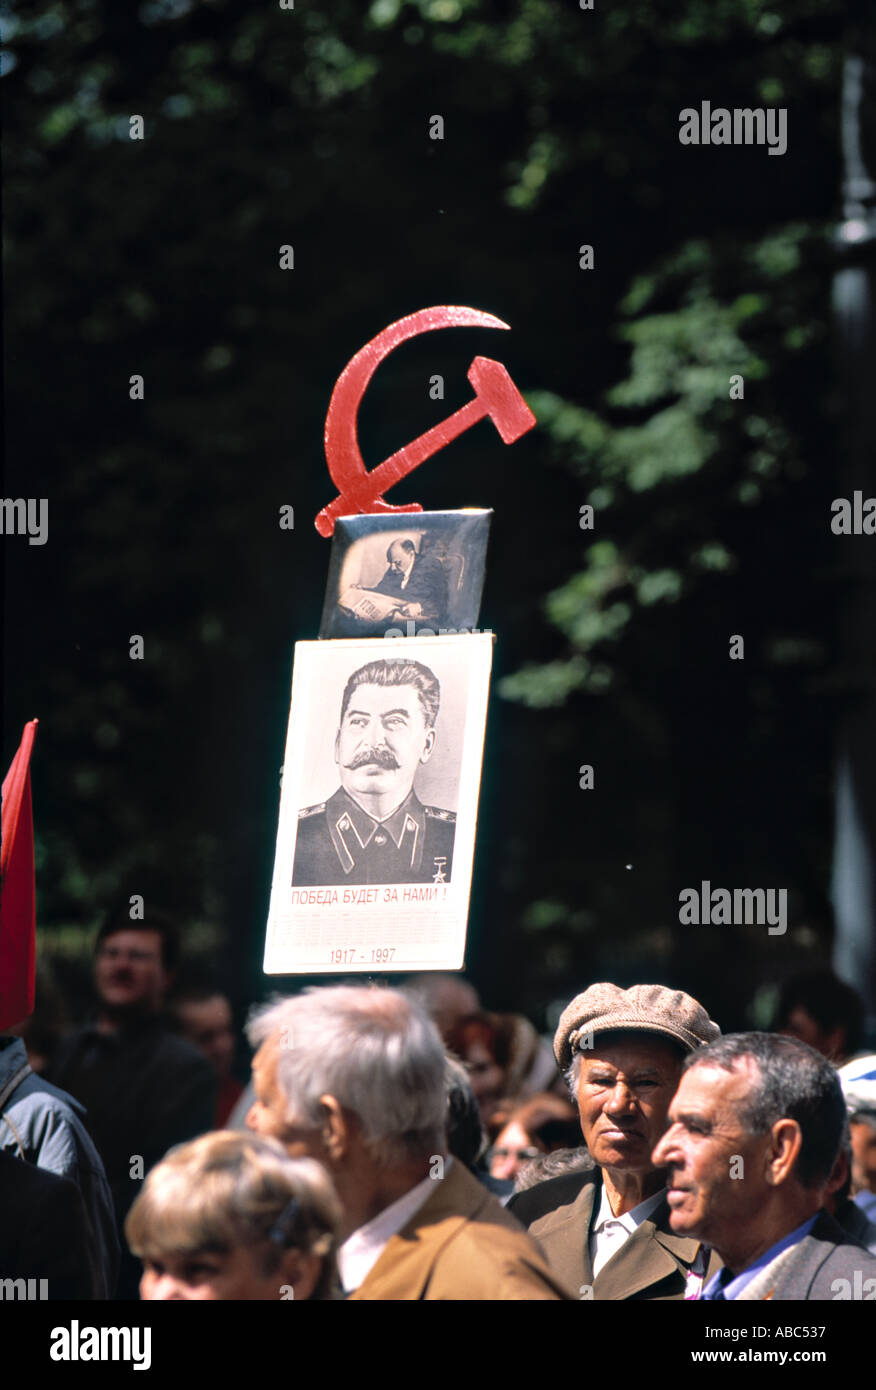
{"points": [[369, 756]]}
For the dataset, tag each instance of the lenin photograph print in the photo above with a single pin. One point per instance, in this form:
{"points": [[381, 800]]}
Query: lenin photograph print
{"points": [[406, 575], [387, 820]]}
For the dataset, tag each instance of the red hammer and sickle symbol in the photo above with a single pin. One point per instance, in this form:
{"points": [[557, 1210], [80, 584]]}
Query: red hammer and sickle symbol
{"points": [[495, 396]]}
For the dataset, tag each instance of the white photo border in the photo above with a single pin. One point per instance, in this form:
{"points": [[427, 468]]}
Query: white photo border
{"points": [[380, 928]]}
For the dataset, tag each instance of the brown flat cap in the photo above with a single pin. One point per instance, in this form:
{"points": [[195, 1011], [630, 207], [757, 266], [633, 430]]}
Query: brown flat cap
{"points": [[642, 1009]]}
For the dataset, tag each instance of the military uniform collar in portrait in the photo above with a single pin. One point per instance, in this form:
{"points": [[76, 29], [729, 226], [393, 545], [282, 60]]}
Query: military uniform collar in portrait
{"points": [[339, 842]]}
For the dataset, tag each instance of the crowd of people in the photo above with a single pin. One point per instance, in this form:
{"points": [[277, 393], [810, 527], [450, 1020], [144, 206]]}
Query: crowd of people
{"points": [[409, 1144]]}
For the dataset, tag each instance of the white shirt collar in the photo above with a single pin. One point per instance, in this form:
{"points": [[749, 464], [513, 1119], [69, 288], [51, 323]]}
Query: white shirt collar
{"points": [[611, 1232], [360, 1252], [630, 1219]]}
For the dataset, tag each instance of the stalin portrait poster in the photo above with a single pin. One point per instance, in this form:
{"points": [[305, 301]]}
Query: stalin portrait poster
{"points": [[374, 828], [379, 804]]}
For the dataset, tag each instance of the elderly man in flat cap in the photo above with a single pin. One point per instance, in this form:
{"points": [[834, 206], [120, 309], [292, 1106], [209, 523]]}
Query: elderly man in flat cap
{"points": [[606, 1231]]}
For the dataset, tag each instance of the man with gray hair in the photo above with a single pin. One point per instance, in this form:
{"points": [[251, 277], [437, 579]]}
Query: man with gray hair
{"points": [[354, 1076], [754, 1131]]}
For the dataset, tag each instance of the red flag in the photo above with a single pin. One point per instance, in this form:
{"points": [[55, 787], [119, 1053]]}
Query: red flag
{"points": [[17, 889]]}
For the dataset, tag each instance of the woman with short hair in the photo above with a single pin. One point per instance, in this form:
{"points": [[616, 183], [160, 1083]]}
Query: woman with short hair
{"points": [[232, 1216]]}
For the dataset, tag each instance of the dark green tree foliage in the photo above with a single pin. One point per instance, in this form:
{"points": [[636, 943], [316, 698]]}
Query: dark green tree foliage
{"points": [[160, 257]]}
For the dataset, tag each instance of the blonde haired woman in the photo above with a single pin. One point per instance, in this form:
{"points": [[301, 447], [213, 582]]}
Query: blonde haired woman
{"points": [[232, 1216]]}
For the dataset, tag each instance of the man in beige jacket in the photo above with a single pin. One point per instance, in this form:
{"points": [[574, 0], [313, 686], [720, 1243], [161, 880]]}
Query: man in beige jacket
{"points": [[355, 1077]]}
